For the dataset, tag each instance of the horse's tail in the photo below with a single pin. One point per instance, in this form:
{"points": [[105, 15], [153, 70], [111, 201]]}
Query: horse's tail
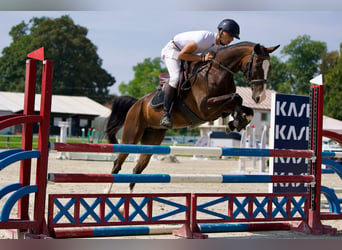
{"points": [[120, 107]]}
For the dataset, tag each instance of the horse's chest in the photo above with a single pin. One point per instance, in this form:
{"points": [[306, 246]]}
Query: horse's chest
{"points": [[220, 89]]}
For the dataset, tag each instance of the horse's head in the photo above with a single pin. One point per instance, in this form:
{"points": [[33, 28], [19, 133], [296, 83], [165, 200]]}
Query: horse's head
{"points": [[256, 68]]}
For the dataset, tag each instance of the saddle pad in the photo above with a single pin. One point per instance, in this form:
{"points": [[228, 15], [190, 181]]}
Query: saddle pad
{"points": [[158, 99]]}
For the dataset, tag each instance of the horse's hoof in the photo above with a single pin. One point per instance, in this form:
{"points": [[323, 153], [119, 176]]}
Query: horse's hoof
{"points": [[108, 189], [131, 187], [228, 130], [230, 127]]}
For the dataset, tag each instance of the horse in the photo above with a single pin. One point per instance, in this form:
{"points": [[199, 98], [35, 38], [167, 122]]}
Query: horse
{"points": [[211, 93]]}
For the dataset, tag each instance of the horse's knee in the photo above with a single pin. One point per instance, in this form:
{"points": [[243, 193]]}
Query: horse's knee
{"points": [[247, 114], [248, 111], [237, 113], [237, 99], [230, 127]]}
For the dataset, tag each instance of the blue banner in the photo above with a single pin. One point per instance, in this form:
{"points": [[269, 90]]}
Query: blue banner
{"points": [[289, 130]]}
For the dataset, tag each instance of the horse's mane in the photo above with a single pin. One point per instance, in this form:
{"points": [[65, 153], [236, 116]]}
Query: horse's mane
{"points": [[236, 45], [200, 65]]}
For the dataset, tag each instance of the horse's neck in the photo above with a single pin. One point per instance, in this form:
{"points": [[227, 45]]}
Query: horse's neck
{"points": [[232, 58]]}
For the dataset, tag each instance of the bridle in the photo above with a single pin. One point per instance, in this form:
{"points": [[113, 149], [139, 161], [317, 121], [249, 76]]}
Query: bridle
{"points": [[249, 64], [247, 71]]}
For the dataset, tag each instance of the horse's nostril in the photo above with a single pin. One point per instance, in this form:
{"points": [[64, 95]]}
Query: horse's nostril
{"points": [[257, 99]]}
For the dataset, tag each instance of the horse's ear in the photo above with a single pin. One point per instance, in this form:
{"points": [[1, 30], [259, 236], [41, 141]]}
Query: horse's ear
{"points": [[257, 49], [271, 49]]}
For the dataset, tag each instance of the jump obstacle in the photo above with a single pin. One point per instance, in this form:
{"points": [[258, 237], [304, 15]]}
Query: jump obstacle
{"points": [[68, 214]]}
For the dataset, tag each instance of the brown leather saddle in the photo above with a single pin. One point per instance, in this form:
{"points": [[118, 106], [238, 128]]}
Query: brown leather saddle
{"points": [[183, 86]]}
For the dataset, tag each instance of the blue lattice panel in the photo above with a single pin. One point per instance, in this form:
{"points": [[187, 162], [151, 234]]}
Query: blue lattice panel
{"points": [[80, 210], [219, 208]]}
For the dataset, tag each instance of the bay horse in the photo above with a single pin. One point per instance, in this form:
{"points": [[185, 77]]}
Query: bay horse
{"points": [[211, 93]]}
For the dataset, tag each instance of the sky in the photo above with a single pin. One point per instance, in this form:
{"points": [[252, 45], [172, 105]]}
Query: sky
{"points": [[126, 33]]}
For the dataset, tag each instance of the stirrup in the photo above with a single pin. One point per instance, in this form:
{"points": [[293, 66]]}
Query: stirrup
{"points": [[166, 121]]}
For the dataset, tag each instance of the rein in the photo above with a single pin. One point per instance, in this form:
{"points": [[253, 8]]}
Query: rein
{"points": [[230, 71], [250, 64]]}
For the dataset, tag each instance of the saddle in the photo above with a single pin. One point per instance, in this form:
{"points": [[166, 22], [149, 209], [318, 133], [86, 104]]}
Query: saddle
{"points": [[183, 86], [158, 98], [184, 82]]}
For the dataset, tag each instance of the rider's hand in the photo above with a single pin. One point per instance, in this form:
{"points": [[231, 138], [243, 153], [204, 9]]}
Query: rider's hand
{"points": [[208, 56]]}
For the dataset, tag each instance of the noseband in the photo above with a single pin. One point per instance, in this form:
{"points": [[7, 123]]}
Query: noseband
{"points": [[248, 68]]}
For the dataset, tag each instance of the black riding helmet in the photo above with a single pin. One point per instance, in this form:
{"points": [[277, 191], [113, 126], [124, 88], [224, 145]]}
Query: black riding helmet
{"points": [[230, 26]]}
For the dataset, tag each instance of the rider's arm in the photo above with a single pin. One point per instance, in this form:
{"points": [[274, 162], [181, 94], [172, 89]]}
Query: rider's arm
{"points": [[186, 53]]}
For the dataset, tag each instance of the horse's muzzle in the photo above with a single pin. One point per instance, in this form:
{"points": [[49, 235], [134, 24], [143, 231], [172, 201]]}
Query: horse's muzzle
{"points": [[258, 90]]}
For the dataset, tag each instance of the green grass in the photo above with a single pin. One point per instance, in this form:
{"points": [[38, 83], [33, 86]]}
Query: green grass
{"points": [[14, 141], [10, 141]]}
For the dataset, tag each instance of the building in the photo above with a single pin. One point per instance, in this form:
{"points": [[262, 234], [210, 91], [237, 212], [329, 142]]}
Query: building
{"points": [[332, 124], [262, 112], [79, 111]]}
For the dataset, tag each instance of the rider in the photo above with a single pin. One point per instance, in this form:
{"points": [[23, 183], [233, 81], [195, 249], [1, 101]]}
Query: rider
{"points": [[192, 46]]}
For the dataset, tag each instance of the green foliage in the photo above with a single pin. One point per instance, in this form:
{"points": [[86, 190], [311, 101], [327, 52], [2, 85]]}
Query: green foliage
{"points": [[77, 67], [278, 77], [304, 57], [329, 61], [333, 88], [12, 70], [146, 78]]}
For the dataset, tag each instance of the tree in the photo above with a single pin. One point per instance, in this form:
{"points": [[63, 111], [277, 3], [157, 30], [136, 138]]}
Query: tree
{"points": [[12, 63], [146, 78], [304, 58], [77, 67], [333, 88], [329, 61], [278, 76]]}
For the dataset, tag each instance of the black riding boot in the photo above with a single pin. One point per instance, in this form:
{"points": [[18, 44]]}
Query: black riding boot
{"points": [[169, 95]]}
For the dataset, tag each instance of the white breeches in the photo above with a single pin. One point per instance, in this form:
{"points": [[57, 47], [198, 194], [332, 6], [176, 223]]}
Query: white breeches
{"points": [[170, 56]]}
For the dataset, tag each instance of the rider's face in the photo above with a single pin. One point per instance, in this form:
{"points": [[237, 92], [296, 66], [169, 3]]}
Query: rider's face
{"points": [[226, 38]]}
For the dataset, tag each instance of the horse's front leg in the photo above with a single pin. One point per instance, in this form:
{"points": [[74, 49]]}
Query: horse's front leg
{"points": [[232, 104], [242, 117], [227, 102]]}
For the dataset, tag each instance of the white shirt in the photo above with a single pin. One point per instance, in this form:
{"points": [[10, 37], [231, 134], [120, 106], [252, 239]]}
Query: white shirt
{"points": [[204, 40]]}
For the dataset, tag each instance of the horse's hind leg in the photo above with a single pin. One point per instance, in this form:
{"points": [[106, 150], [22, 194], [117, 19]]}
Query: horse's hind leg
{"points": [[118, 163], [130, 138], [150, 137], [116, 168], [144, 159]]}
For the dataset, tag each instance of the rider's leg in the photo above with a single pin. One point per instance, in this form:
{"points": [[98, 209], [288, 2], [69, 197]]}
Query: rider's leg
{"points": [[169, 96], [173, 66]]}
